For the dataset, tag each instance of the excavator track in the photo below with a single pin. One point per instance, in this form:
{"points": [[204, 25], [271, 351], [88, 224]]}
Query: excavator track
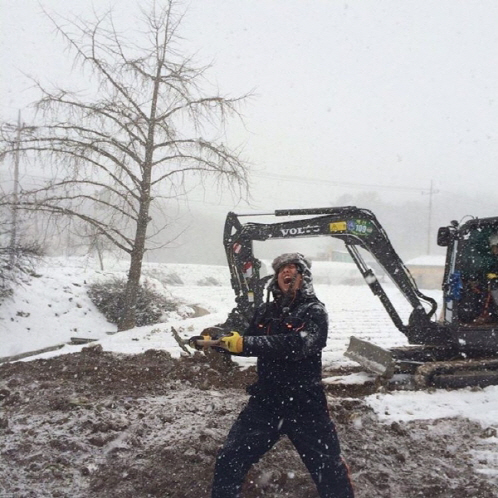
{"points": [[457, 374], [427, 366]]}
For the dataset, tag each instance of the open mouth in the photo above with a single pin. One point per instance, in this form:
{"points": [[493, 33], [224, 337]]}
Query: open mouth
{"points": [[287, 280]]}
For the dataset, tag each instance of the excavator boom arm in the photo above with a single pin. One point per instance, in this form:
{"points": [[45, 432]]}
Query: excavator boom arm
{"points": [[354, 226]]}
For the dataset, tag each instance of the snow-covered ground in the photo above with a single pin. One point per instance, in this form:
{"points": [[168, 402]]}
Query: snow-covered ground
{"points": [[54, 307]]}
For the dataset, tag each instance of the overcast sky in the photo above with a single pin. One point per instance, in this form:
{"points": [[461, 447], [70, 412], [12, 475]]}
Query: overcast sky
{"points": [[349, 96]]}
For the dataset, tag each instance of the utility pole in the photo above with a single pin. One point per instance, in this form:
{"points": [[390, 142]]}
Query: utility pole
{"points": [[429, 223], [15, 195]]}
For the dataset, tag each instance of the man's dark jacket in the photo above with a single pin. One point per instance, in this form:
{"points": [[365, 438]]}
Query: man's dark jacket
{"points": [[288, 339]]}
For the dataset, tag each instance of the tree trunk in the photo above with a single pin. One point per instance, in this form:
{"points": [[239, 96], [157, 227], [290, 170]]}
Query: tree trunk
{"points": [[137, 254], [128, 321], [134, 273]]}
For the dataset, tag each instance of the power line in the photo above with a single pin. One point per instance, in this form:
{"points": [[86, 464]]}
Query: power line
{"points": [[300, 179], [308, 180]]}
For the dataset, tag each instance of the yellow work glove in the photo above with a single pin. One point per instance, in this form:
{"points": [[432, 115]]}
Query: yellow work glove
{"points": [[233, 342], [492, 276]]}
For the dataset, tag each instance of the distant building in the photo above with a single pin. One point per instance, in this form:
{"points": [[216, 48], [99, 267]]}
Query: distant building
{"points": [[428, 271], [341, 256], [335, 255], [341, 269]]}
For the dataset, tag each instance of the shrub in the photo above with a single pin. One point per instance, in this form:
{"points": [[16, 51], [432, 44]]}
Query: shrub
{"points": [[172, 279], [108, 296], [208, 281], [17, 265]]}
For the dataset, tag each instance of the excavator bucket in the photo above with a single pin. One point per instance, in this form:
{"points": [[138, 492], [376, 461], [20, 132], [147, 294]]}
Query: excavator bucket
{"points": [[371, 357]]}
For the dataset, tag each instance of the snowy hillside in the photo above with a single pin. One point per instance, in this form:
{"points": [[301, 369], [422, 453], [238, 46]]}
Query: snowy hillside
{"points": [[54, 306]]}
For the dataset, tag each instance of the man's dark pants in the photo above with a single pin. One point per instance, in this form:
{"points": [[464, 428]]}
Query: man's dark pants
{"points": [[258, 428]]}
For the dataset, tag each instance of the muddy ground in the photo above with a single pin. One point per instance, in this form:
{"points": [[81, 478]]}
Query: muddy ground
{"points": [[98, 424]]}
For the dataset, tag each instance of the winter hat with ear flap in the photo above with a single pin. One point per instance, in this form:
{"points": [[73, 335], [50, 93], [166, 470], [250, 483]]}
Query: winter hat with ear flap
{"points": [[303, 266], [289, 258]]}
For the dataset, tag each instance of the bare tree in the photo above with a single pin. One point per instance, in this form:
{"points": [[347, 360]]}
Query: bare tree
{"points": [[146, 132]]}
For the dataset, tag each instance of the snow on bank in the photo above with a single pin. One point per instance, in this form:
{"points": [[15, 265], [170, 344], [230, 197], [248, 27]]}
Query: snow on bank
{"points": [[50, 309], [478, 405], [53, 307]]}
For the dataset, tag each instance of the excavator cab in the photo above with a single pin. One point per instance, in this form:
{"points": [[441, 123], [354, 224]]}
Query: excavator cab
{"points": [[470, 283]]}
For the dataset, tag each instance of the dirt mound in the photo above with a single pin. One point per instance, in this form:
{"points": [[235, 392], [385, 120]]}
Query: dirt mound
{"points": [[97, 424]]}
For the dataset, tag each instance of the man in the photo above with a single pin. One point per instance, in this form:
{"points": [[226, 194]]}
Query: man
{"points": [[287, 336]]}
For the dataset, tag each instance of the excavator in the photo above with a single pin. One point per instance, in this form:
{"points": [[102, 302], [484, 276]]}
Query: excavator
{"points": [[452, 348]]}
